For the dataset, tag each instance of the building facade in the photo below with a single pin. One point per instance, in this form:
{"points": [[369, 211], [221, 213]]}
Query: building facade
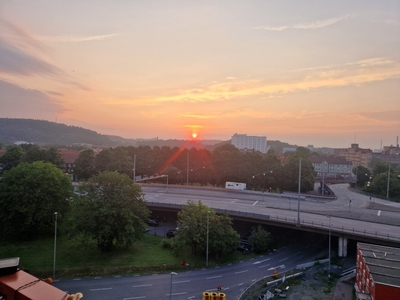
{"points": [[250, 143], [355, 154], [377, 272], [332, 167]]}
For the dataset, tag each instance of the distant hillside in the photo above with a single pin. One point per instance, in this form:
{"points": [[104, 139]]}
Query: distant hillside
{"points": [[45, 132]]}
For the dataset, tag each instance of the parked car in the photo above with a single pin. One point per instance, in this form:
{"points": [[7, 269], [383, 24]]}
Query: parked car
{"points": [[170, 233], [153, 223]]}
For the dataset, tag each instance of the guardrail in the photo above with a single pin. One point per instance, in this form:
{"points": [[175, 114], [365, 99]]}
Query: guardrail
{"points": [[339, 229], [293, 221], [217, 210]]}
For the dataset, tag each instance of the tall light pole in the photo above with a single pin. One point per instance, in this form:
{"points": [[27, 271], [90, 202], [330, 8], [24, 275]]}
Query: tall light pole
{"points": [[323, 165], [329, 251], [134, 168], [388, 183], [298, 204], [187, 171], [170, 287], [208, 225], [55, 245]]}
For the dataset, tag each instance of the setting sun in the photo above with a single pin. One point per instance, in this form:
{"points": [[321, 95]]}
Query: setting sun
{"points": [[194, 135]]}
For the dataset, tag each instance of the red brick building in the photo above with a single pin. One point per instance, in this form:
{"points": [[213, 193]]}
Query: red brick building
{"points": [[69, 157], [378, 272]]}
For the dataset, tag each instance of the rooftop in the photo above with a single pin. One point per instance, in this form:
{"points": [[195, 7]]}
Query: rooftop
{"points": [[383, 263]]}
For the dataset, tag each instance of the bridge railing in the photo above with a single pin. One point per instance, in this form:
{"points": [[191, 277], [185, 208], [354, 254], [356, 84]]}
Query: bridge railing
{"points": [[340, 229], [217, 210], [318, 225]]}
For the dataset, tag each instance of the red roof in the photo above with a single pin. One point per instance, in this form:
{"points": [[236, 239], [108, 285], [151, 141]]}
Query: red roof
{"points": [[69, 156], [23, 286]]}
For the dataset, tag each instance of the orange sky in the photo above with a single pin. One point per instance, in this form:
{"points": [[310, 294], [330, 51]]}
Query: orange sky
{"points": [[324, 73]]}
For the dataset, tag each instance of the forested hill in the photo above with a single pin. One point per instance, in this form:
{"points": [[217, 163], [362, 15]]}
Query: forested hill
{"points": [[45, 132], [39, 131]]}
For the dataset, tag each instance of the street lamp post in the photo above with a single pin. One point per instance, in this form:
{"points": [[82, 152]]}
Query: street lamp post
{"points": [[388, 183], [329, 251], [298, 204], [170, 287], [323, 165], [55, 245], [187, 171], [208, 225], [134, 168]]}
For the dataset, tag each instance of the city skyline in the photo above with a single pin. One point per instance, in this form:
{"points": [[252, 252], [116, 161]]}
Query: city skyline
{"points": [[306, 73]]}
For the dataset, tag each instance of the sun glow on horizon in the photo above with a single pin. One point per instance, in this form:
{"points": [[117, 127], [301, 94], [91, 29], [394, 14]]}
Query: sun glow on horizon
{"points": [[194, 135]]}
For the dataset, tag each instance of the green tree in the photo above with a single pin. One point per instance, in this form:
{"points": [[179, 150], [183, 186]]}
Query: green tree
{"points": [[34, 153], [30, 193], [362, 175], [192, 223], [52, 155], [223, 239], [260, 240], [303, 150], [11, 158], [84, 165], [291, 170], [110, 209]]}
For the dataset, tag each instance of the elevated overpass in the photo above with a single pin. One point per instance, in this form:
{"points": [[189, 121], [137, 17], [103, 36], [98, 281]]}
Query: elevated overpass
{"points": [[344, 223]]}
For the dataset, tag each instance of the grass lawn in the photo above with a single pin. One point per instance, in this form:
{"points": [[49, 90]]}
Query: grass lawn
{"points": [[75, 259]]}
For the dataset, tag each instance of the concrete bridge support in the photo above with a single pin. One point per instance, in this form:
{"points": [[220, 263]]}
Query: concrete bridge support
{"points": [[342, 247]]}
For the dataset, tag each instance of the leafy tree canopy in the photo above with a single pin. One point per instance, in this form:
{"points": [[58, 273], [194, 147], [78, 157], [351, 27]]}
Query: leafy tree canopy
{"points": [[194, 220], [30, 193], [110, 209], [11, 158], [260, 240]]}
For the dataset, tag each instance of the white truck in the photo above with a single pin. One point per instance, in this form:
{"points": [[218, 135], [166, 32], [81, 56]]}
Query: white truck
{"points": [[235, 185]]}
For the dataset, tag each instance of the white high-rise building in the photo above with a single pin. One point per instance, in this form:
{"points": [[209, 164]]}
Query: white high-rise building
{"points": [[244, 142]]}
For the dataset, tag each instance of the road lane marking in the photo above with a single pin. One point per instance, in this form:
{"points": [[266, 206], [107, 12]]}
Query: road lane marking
{"points": [[264, 266], [143, 285], [277, 267], [379, 213], [183, 293], [244, 271], [101, 289], [181, 281], [255, 203], [214, 277], [282, 259], [261, 261]]}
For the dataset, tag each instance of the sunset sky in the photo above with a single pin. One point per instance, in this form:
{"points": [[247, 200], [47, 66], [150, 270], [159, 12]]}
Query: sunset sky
{"points": [[325, 73]]}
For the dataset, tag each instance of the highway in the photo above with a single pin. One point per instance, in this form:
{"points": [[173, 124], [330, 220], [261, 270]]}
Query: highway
{"points": [[349, 212], [235, 278]]}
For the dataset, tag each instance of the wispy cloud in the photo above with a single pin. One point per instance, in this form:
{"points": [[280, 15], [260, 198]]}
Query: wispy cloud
{"points": [[16, 61], [370, 62], [271, 28], [74, 38], [352, 74], [311, 25], [27, 102]]}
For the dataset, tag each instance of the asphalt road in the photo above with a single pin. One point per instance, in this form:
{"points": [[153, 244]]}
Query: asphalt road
{"points": [[191, 284], [353, 216], [234, 278]]}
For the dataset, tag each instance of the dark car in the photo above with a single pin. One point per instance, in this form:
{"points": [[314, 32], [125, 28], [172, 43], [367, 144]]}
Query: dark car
{"points": [[153, 223], [170, 233]]}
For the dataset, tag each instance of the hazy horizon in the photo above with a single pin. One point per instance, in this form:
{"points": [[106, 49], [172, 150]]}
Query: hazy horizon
{"points": [[302, 72]]}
